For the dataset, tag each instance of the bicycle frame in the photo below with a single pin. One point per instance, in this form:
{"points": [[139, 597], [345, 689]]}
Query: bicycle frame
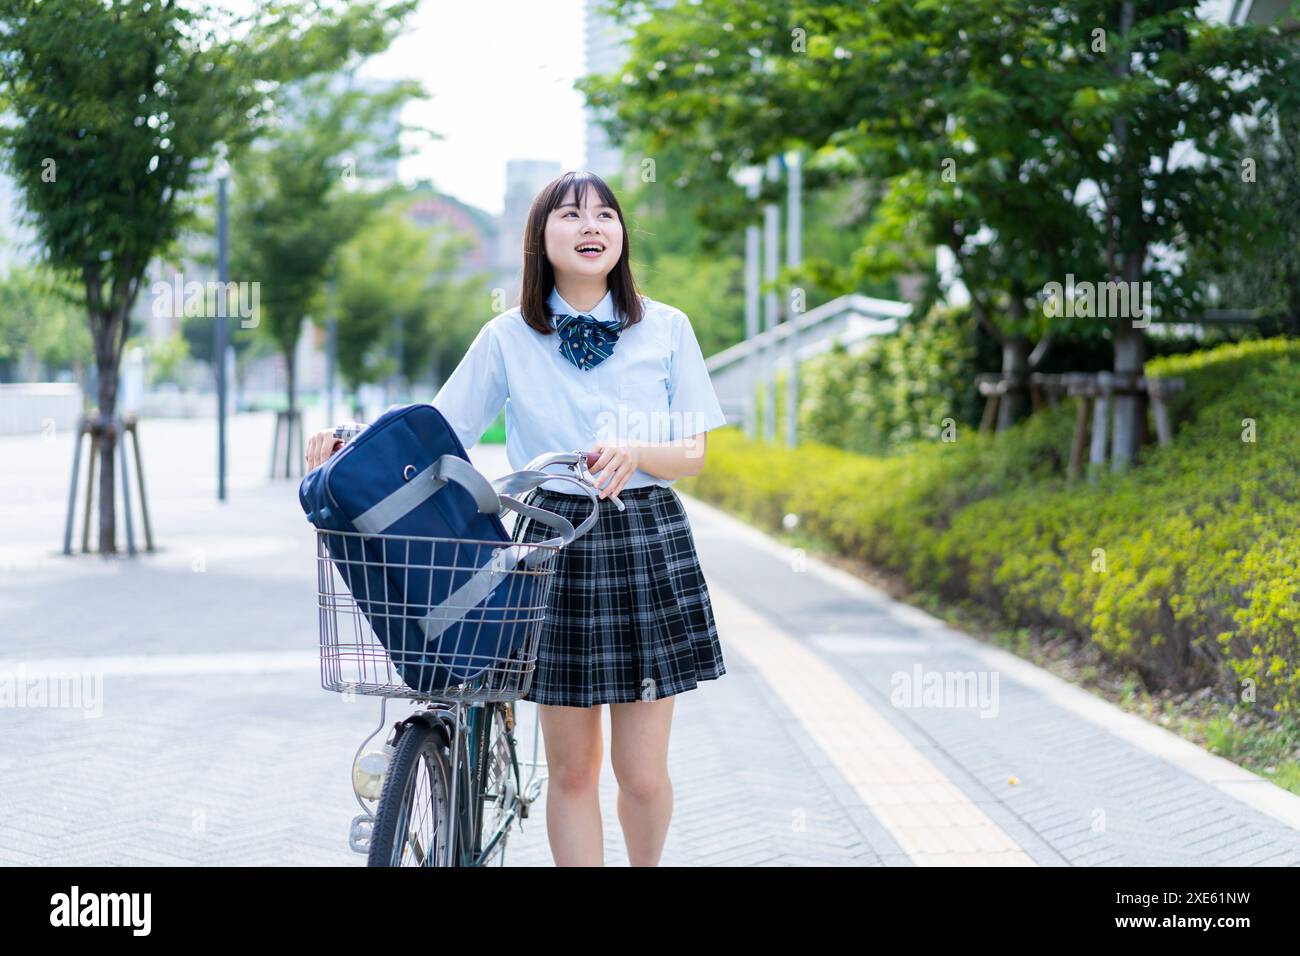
{"points": [[468, 726], [464, 724], [479, 745]]}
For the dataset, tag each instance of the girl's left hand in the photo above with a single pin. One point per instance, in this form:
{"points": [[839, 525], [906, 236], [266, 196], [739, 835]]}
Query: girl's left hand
{"points": [[617, 463]]}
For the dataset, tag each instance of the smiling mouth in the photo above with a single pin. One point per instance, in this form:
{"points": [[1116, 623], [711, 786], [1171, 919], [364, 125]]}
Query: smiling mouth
{"points": [[591, 251]]}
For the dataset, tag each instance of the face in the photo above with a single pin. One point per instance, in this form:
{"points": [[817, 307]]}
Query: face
{"points": [[569, 228]]}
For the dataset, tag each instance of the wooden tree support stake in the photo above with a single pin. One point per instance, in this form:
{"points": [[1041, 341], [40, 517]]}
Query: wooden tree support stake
{"points": [[290, 424], [99, 431]]}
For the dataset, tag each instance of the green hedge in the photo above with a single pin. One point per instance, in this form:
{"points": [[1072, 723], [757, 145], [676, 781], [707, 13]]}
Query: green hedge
{"points": [[1183, 567], [897, 390]]}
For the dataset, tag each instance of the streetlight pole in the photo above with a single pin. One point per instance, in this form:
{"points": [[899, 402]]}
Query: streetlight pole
{"points": [[793, 259], [221, 332], [751, 178], [771, 256], [331, 351], [399, 349]]}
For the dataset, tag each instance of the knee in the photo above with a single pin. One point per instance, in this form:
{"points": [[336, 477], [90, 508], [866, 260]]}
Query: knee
{"points": [[642, 782], [574, 777]]}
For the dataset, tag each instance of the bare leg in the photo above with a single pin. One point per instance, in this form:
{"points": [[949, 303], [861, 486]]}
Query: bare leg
{"points": [[639, 752], [573, 743]]}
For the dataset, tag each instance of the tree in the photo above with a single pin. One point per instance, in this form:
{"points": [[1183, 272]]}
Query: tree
{"points": [[118, 109], [933, 103], [301, 196], [1159, 98], [399, 303], [688, 237], [1262, 273], [39, 312], [1060, 123], [676, 261]]}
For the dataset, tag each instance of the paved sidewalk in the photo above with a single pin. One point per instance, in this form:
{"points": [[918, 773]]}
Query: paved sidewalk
{"points": [[213, 742], [1009, 765]]}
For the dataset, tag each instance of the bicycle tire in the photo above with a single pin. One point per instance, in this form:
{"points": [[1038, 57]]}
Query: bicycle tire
{"points": [[421, 747]]}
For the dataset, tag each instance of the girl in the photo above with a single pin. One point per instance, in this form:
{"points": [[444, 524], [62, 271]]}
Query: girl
{"points": [[584, 361]]}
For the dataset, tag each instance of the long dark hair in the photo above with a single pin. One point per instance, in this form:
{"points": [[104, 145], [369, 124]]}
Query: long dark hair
{"points": [[539, 275]]}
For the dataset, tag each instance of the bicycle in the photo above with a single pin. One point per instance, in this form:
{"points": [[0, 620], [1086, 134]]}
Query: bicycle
{"points": [[461, 745]]}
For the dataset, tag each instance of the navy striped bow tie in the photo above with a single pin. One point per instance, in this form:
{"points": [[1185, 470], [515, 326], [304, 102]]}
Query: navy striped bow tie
{"points": [[584, 341]]}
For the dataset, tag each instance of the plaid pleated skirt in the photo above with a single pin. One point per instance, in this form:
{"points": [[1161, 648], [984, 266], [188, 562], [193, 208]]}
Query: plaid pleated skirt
{"points": [[628, 615]]}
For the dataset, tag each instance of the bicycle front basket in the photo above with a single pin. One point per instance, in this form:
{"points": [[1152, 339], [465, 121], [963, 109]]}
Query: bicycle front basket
{"points": [[388, 643], [433, 573]]}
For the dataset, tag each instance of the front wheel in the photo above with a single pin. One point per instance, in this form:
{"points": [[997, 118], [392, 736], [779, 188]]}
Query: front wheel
{"points": [[413, 825]]}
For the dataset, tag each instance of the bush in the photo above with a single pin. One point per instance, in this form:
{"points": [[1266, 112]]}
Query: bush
{"points": [[900, 388], [1183, 567]]}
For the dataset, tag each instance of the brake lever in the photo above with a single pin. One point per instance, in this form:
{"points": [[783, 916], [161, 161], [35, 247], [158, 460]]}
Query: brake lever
{"points": [[584, 472]]}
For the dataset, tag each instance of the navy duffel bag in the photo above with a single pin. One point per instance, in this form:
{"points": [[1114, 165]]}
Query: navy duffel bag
{"points": [[445, 611]]}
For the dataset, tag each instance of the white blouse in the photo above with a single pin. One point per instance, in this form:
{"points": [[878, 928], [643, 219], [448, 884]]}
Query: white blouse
{"points": [[653, 388]]}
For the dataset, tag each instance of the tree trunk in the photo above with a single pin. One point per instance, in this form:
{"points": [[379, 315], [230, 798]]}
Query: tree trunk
{"points": [[289, 377], [106, 334], [1015, 370], [1130, 359], [289, 423], [1126, 206]]}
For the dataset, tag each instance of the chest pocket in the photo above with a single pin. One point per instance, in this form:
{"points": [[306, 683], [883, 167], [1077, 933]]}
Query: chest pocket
{"points": [[644, 396]]}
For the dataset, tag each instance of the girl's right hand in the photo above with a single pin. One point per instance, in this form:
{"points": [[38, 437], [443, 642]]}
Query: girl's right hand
{"points": [[320, 446]]}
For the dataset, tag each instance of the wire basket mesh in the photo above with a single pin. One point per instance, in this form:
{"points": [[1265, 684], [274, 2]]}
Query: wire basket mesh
{"points": [[446, 619]]}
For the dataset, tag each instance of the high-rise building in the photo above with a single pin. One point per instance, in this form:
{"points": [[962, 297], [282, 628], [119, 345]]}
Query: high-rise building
{"points": [[606, 48], [524, 179]]}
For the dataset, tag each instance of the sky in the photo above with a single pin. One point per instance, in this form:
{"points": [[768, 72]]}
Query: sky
{"points": [[500, 74]]}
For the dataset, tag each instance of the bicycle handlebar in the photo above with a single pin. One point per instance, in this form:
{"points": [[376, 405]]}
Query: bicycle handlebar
{"points": [[581, 462]]}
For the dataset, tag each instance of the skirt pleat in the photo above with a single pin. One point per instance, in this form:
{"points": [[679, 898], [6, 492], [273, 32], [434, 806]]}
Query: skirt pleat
{"points": [[628, 615]]}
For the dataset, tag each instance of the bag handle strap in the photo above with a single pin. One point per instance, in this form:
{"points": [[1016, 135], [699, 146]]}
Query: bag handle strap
{"points": [[550, 517], [493, 497], [453, 468]]}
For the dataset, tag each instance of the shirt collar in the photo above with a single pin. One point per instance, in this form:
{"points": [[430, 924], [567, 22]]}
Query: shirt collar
{"points": [[603, 312]]}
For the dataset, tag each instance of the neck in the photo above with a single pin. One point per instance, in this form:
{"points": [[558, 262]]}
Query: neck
{"points": [[582, 292]]}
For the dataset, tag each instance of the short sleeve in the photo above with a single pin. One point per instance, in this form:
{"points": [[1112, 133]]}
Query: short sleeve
{"points": [[473, 394], [692, 404]]}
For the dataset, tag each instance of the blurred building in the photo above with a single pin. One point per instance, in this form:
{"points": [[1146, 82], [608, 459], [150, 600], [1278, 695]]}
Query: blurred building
{"points": [[367, 164], [432, 209], [606, 49], [524, 179], [605, 45]]}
